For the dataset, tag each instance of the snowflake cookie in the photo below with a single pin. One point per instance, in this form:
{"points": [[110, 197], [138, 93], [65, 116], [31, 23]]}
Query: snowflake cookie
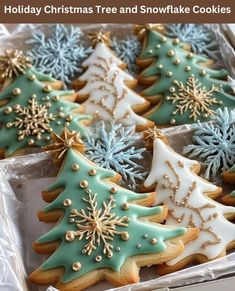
{"points": [[114, 148], [105, 231], [182, 87], [61, 53], [127, 49], [214, 144], [191, 204]]}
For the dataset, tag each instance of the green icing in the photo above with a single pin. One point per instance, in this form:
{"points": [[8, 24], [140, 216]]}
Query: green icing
{"points": [[70, 252], [9, 136], [158, 48]]}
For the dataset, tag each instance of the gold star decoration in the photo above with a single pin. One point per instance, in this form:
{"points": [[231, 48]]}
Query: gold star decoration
{"points": [[13, 63], [151, 134], [97, 226], [100, 36], [193, 97], [62, 143], [141, 29]]}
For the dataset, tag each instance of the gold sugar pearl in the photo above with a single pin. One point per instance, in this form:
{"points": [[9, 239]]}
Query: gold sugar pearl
{"points": [[75, 167], [8, 110], [67, 202], [171, 90], [32, 77], [76, 266], [177, 61], [187, 68], [20, 137], [47, 88], [16, 91], [160, 66], [48, 105], [30, 142], [203, 72], [170, 53], [127, 219], [61, 114], [55, 98], [153, 241], [125, 206], [163, 39], [69, 236], [92, 172], [175, 41], [69, 117], [169, 74], [84, 184], [158, 46], [98, 258], [125, 235], [189, 55], [113, 190], [17, 107], [47, 138], [173, 121]]}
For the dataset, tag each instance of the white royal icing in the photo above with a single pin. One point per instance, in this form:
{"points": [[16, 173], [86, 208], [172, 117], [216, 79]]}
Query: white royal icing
{"points": [[109, 96], [221, 232]]}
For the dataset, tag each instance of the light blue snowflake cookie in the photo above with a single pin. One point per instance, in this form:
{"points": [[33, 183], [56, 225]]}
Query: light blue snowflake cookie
{"points": [[113, 147], [198, 36], [127, 49], [214, 144], [59, 54]]}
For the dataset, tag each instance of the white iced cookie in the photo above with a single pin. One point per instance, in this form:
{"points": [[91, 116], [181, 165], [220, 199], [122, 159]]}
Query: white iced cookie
{"points": [[190, 205], [106, 90]]}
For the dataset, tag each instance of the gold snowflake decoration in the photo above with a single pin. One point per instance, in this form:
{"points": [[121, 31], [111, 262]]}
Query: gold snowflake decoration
{"points": [[13, 63], [194, 98], [62, 143], [32, 120], [97, 225], [100, 36]]}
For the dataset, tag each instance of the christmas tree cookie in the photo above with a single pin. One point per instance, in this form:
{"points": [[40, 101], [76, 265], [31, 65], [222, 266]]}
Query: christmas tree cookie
{"points": [[31, 108], [103, 231], [191, 204], [182, 87], [106, 87]]}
